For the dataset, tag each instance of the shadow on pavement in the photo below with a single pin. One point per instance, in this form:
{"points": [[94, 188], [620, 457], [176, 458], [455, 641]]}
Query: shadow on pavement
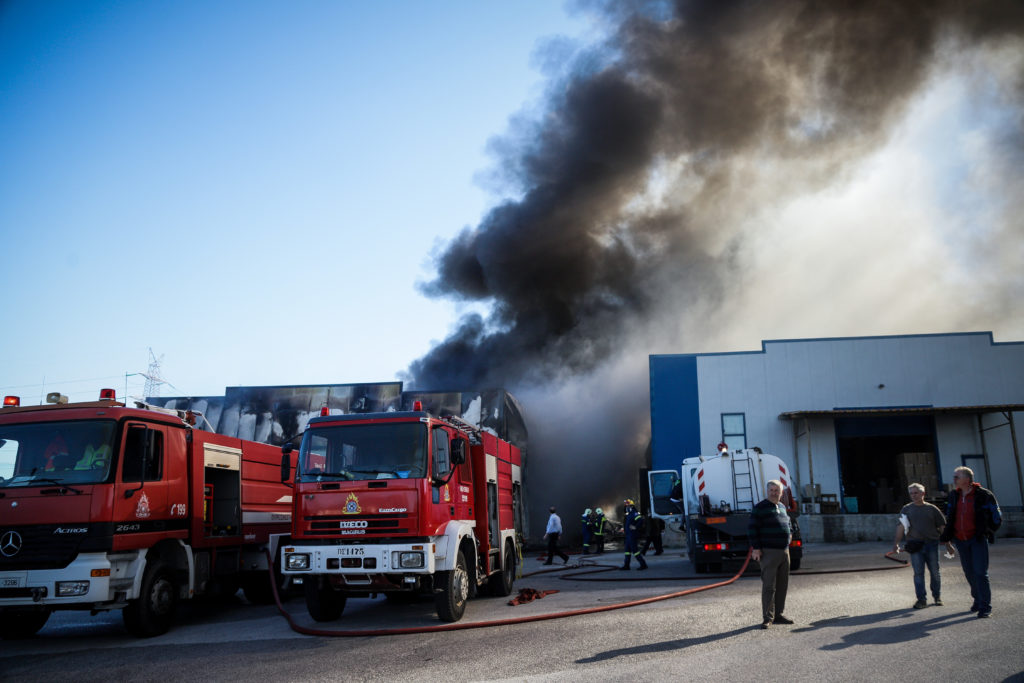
{"points": [[665, 646], [885, 628]]}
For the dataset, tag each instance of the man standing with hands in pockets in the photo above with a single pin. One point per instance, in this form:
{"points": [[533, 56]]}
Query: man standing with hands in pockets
{"points": [[770, 535]]}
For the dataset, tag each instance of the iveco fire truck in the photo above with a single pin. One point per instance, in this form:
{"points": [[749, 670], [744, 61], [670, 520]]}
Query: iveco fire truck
{"points": [[107, 507], [402, 503]]}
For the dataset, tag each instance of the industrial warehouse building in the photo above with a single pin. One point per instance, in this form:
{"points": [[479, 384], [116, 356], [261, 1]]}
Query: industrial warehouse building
{"points": [[856, 418]]}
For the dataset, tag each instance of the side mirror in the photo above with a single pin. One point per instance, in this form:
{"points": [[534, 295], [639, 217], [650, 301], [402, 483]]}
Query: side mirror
{"points": [[458, 451], [286, 462]]}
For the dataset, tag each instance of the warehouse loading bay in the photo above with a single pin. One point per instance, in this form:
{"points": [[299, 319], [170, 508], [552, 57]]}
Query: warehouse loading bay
{"points": [[879, 457]]}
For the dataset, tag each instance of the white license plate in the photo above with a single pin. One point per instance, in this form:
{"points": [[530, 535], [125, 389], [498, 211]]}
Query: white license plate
{"points": [[351, 551], [12, 582]]}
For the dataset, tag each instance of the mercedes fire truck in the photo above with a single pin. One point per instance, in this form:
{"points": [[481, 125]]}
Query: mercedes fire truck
{"points": [[107, 507]]}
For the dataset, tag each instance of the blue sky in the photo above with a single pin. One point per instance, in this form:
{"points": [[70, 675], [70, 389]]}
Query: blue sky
{"points": [[254, 190], [251, 189]]}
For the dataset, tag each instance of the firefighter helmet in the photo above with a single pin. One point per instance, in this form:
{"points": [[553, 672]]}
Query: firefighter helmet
{"points": [[629, 502], [599, 512]]}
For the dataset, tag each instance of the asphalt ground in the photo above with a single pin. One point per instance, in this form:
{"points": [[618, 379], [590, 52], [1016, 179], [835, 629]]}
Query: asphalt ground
{"points": [[850, 626]]}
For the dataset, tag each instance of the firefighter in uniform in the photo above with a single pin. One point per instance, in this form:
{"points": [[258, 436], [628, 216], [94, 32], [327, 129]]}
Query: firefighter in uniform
{"points": [[600, 526], [633, 528], [588, 530]]}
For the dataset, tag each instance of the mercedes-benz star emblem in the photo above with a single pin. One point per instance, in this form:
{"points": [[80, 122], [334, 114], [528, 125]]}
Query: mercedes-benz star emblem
{"points": [[10, 543]]}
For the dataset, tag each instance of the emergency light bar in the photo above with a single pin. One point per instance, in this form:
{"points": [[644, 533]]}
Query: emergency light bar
{"points": [[12, 401], [108, 395]]}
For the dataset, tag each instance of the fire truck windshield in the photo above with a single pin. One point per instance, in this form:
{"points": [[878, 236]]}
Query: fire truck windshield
{"points": [[48, 453], [392, 450]]}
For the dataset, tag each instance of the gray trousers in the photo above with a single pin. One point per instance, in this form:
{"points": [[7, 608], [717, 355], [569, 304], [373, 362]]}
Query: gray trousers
{"points": [[774, 581]]}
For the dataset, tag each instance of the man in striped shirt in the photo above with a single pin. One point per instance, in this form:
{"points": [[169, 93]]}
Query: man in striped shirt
{"points": [[770, 535]]}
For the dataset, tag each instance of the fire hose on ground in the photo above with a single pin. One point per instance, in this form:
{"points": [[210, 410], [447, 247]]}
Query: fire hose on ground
{"points": [[459, 626]]}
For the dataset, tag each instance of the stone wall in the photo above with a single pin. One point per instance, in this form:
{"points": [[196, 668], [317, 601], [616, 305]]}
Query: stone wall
{"points": [[853, 528]]}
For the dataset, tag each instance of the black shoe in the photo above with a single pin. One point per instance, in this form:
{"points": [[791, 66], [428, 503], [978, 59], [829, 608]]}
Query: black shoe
{"points": [[640, 569], [974, 608], [659, 552], [782, 620], [624, 567], [938, 602], [765, 624], [921, 604], [547, 563], [984, 615]]}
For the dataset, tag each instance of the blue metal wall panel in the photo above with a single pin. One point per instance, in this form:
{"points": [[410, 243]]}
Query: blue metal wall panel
{"points": [[675, 410]]}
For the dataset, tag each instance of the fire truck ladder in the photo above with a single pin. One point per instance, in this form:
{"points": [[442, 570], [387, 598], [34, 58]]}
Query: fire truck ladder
{"points": [[471, 431], [743, 481]]}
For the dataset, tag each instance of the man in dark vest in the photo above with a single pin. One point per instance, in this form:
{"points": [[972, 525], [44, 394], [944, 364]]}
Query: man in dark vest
{"points": [[972, 519]]}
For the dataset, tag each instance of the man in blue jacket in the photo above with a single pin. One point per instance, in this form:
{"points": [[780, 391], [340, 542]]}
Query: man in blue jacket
{"points": [[972, 519]]}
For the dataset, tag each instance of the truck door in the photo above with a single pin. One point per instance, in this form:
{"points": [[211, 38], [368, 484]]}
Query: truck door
{"points": [[660, 484], [464, 477], [441, 468], [140, 494]]}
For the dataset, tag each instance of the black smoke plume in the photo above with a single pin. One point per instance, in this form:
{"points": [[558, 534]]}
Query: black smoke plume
{"points": [[631, 185]]}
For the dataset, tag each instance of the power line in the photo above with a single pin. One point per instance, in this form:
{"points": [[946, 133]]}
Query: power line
{"points": [[154, 380], [152, 375], [58, 381]]}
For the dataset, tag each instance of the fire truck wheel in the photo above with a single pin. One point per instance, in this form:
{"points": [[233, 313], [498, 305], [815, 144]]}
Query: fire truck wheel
{"points": [[501, 583], [22, 623], [323, 602], [454, 591], [152, 614], [794, 563]]}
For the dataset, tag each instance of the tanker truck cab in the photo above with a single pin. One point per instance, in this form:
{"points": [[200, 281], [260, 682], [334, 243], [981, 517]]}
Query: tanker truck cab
{"points": [[716, 495], [401, 503]]}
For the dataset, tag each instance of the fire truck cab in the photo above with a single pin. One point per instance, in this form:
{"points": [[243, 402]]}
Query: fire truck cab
{"points": [[107, 507], [402, 503]]}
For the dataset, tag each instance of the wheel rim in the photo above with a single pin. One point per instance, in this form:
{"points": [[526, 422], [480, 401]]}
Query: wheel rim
{"points": [[461, 580], [162, 597]]}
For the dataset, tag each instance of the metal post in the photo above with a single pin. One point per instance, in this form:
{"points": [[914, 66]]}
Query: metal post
{"points": [[1016, 455], [810, 461], [984, 451], [796, 460]]}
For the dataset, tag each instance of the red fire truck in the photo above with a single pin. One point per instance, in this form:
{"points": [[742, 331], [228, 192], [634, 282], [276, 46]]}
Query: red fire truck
{"points": [[106, 507], [402, 503]]}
